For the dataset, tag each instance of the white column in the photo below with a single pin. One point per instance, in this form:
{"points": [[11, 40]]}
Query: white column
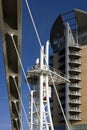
{"points": [[48, 104], [41, 57], [41, 102], [41, 87], [47, 53], [31, 125]]}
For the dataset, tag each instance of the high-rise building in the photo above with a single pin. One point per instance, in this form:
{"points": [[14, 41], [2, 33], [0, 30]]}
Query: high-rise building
{"points": [[68, 39]]}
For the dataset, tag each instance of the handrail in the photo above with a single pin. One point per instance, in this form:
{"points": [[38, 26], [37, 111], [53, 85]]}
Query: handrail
{"points": [[37, 67]]}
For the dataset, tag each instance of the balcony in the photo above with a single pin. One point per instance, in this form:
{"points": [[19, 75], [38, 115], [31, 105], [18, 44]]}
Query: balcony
{"points": [[75, 48], [74, 62], [75, 93], [74, 110], [74, 86], [74, 78], [74, 118], [74, 70], [74, 54], [75, 102]]}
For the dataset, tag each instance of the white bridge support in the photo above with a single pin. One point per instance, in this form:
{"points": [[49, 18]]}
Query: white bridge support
{"points": [[40, 77], [45, 114], [41, 87]]}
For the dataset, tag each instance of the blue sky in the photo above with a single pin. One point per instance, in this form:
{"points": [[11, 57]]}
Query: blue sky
{"points": [[44, 12]]}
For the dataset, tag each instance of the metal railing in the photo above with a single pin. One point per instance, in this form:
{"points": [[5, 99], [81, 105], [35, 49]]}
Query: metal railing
{"points": [[76, 101], [75, 77], [75, 117], [75, 109], [74, 85], [45, 67], [75, 93], [74, 69], [75, 61]]}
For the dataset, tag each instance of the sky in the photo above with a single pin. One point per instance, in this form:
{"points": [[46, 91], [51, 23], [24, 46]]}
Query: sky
{"points": [[44, 13]]}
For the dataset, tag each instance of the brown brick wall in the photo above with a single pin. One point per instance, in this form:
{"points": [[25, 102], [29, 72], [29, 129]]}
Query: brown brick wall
{"points": [[83, 84], [83, 90]]}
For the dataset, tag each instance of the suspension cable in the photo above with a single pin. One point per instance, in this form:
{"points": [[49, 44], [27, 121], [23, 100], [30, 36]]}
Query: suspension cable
{"points": [[38, 37], [45, 60]]}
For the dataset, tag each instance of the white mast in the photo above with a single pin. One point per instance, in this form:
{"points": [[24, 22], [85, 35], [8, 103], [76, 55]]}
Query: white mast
{"points": [[41, 87], [39, 77]]}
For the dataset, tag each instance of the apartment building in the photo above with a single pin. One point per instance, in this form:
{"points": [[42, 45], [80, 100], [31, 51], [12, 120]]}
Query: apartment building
{"points": [[68, 38]]}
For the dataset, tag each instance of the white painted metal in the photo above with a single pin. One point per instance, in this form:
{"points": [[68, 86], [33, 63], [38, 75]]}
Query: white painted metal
{"points": [[41, 87], [41, 102], [47, 53], [48, 104], [44, 121], [41, 75], [31, 122], [33, 110], [41, 57]]}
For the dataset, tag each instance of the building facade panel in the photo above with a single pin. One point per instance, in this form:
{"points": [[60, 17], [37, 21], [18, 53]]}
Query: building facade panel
{"points": [[70, 57]]}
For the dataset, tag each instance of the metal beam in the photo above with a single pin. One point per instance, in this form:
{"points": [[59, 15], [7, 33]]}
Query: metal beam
{"points": [[11, 23]]}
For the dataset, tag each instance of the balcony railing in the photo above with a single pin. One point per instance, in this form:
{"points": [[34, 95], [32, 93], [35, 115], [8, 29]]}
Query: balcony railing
{"points": [[74, 93], [74, 109], [75, 54], [75, 77], [73, 85], [75, 101], [76, 47], [74, 69], [45, 67], [75, 117], [75, 61]]}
